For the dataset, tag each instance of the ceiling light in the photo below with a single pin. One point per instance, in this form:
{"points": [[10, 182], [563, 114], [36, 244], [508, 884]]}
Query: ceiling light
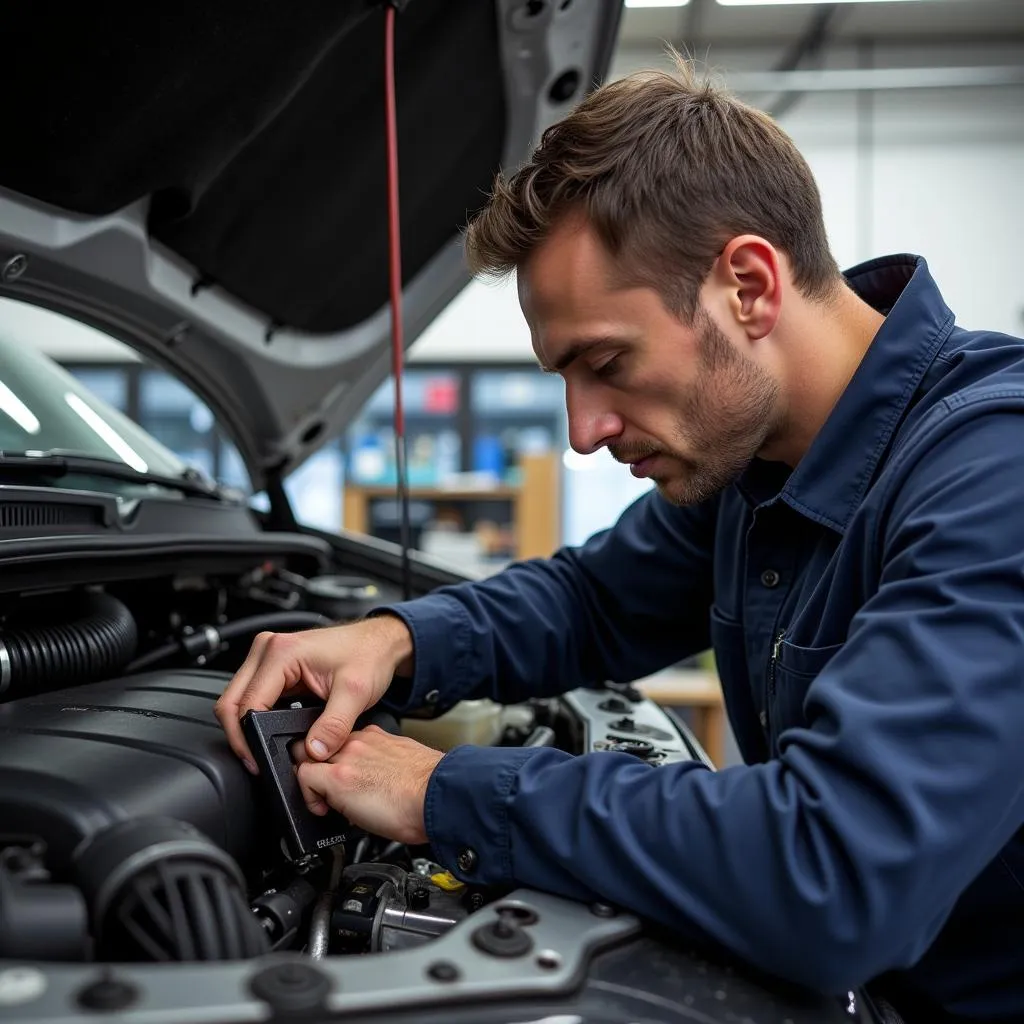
{"points": [[657, 3]]}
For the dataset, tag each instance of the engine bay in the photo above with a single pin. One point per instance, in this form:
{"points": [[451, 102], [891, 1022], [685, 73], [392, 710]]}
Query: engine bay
{"points": [[145, 873], [130, 831]]}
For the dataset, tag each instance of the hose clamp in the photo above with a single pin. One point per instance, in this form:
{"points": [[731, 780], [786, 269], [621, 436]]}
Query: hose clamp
{"points": [[5, 668]]}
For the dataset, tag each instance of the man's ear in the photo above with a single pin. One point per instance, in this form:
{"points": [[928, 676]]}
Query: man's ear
{"points": [[750, 271]]}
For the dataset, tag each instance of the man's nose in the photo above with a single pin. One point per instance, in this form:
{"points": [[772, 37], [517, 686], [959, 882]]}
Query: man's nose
{"points": [[590, 427]]}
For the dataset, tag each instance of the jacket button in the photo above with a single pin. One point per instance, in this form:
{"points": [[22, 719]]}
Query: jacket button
{"points": [[467, 860], [432, 697], [763, 718], [770, 578]]}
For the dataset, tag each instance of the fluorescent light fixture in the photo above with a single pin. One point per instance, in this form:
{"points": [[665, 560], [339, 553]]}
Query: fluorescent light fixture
{"points": [[779, 3], [107, 433], [11, 404], [657, 3]]}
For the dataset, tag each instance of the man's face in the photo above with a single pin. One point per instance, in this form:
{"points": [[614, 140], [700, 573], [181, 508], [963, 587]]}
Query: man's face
{"points": [[682, 404]]}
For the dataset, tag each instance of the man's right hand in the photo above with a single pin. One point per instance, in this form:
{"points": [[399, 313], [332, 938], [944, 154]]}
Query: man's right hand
{"points": [[350, 667]]}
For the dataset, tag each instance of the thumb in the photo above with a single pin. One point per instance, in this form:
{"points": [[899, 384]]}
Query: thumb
{"points": [[314, 779], [348, 699]]}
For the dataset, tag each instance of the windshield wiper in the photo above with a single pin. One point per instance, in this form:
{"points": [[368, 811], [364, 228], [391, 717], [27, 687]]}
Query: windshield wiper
{"points": [[58, 464]]}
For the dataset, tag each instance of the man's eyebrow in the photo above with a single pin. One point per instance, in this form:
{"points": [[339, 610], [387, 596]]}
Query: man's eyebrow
{"points": [[578, 348]]}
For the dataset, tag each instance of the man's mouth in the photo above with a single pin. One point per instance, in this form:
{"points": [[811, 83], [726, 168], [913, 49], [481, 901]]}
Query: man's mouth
{"points": [[642, 467]]}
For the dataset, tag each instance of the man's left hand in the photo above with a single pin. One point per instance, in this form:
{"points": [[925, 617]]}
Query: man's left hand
{"points": [[377, 780]]}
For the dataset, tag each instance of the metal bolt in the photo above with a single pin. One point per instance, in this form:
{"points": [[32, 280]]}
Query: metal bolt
{"points": [[443, 971], [108, 994], [14, 267]]}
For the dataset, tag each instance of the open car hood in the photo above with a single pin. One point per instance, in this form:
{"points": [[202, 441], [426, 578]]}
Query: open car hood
{"points": [[206, 182]]}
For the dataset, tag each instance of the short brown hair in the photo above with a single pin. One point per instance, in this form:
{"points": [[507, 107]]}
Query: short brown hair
{"points": [[666, 169]]}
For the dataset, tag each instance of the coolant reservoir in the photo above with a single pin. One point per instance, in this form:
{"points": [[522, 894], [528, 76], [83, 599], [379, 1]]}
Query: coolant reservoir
{"points": [[471, 721]]}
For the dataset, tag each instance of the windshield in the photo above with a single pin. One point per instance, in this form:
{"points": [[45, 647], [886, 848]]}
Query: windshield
{"points": [[44, 409]]}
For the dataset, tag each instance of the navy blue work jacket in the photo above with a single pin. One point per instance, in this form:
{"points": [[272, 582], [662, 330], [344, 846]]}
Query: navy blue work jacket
{"points": [[866, 611]]}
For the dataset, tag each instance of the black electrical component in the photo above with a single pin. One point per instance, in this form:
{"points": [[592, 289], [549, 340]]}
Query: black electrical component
{"points": [[283, 912], [270, 735], [354, 914]]}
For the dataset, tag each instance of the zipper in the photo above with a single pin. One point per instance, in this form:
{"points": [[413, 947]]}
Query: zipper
{"points": [[776, 645], [773, 659]]}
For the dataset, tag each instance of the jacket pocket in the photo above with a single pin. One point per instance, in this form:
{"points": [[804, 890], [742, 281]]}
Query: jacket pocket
{"points": [[804, 661], [792, 673]]}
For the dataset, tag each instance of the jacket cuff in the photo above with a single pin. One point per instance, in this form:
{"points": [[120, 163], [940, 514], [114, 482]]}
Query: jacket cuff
{"points": [[466, 811], [442, 657]]}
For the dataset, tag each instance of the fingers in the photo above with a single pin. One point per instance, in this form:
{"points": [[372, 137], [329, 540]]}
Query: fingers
{"points": [[347, 700], [227, 708], [315, 782], [280, 663], [277, 670]]}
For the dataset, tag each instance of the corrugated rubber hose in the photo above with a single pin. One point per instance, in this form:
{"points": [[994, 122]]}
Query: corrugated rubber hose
{"points": [[92, 636]]}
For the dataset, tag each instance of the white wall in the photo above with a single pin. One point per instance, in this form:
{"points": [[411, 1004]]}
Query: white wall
{"points": [[942, 175], [483, 323]]}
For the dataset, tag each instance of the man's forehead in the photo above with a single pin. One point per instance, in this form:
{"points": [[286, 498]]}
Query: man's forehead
{"points": [[569, 266], [565, 296]]}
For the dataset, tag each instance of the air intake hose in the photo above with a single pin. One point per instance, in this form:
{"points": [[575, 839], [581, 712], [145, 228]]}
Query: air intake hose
{"points": [[86, 638], [158, 889]]}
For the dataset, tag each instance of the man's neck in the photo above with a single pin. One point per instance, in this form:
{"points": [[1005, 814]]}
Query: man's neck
{"points": [[824, 345]]}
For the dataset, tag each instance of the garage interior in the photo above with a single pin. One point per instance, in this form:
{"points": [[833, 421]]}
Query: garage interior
{"points": [[231, 530], [910, 114]]}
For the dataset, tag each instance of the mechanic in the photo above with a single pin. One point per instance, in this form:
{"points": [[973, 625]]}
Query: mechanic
{"points": [[838, 514]]}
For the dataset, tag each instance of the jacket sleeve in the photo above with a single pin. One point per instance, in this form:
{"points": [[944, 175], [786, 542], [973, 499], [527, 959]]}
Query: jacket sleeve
{"points": [[843, 857], [631, 600]]}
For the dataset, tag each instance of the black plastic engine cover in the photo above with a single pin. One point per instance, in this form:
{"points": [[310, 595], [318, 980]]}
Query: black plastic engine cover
{"points": [[74, 761]]}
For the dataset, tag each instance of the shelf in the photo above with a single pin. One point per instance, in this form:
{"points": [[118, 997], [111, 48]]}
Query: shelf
{"points": [[535, 513], [375, 492]]}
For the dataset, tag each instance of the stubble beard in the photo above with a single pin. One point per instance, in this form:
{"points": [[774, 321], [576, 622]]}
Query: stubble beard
{"points": [[725, 418]]}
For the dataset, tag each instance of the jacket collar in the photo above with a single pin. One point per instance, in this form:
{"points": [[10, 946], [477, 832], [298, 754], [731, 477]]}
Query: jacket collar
{"points": [[831, 479]]}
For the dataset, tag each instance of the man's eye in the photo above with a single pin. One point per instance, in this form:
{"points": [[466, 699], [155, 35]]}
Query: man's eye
{"points": [[609, 369]]}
